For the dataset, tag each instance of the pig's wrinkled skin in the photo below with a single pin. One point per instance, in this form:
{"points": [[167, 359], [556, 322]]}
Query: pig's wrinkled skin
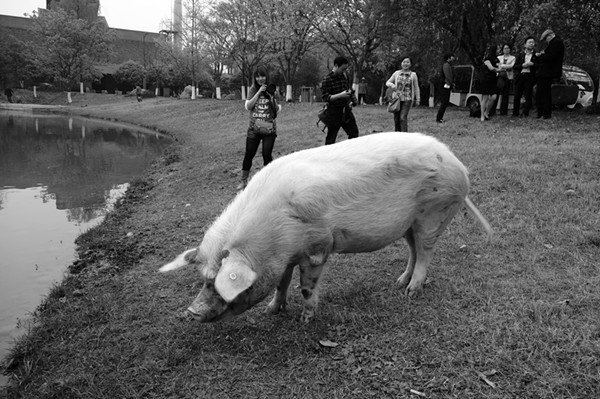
{"points": [[358, 195]]}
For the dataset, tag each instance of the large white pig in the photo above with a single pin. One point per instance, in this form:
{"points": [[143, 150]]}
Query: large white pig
{"points": [[358, 195]]}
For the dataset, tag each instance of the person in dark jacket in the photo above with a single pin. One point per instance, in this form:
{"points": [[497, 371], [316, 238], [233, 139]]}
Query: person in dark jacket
{"points": [[339, 98], [549, 67], [446, 86], [8, 92], [524, 70]]}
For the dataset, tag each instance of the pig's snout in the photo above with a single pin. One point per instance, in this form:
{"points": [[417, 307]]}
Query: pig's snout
{"points": [[207, 316], [207, 309], [202, 313]]}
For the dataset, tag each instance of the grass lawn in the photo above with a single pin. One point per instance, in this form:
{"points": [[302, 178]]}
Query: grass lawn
{"points": [[518, 317]]}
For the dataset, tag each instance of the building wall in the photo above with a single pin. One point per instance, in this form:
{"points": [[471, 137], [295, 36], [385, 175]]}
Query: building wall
{"points": [[131, 45]]}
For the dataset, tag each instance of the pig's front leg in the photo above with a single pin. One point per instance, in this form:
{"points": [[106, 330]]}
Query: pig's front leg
{"points": [[310, 276], [278, 303]]}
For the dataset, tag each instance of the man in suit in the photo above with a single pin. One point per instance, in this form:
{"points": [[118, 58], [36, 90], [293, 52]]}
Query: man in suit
{"points": [[524, 70], [549, 67]]}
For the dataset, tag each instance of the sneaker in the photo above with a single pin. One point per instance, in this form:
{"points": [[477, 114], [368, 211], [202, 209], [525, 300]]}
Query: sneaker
{"points": [[439, 120], [242, 185]]}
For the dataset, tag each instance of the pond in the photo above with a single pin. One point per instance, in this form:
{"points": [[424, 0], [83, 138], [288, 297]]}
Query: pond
{"points": [[59, 176]]}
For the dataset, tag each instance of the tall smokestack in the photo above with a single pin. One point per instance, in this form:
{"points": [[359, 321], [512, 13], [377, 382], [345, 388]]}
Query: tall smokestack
{"points": [[177, 13]]}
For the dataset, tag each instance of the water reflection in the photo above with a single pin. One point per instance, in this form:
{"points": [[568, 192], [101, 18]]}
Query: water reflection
{"points": [[59, 176]]}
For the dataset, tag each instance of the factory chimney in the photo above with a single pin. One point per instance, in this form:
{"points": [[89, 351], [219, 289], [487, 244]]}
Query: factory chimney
{"points": [[177, 15]]}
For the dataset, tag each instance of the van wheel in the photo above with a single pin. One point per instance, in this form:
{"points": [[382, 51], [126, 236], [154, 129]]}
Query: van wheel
{"points": [[474, 107]]}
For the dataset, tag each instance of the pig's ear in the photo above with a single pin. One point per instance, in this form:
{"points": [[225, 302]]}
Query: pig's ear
{"points": [[183, 259], [233, 279]]}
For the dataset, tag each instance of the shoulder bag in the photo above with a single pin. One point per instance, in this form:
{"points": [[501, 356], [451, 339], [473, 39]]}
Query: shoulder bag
{"points": [[324, 117], [395, 105]]}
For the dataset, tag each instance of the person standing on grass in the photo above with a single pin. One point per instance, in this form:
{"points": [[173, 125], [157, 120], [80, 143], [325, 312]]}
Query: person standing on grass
{"points": [[138, 93], [549, 67], [446, 86], [405, 86], [524, 78], [8, 92], [263, 109], [489, 82], [362, 91], [339, 98], [506, 63]]}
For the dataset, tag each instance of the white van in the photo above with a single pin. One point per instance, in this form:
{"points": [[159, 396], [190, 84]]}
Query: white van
{"points": [[582, 79], [575, 89]]}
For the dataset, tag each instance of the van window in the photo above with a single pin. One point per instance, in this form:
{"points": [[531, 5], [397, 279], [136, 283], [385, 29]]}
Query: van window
{"points": [[579, 78]]}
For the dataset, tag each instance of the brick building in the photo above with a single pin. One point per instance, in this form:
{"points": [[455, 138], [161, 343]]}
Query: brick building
{"points": [[132, 45]]}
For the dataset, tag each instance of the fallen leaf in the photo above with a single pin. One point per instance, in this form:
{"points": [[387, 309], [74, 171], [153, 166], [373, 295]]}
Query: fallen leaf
{"points": [[328, 344], [485, 379], [549, 246], [415, 392]]}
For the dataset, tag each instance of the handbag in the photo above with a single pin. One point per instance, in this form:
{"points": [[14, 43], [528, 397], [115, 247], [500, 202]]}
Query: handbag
{"points": [[324, 117], [394, 105], [263, 127]]}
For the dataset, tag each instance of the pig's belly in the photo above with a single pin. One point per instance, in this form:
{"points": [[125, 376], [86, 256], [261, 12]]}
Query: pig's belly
{"points": [[369, 232]]}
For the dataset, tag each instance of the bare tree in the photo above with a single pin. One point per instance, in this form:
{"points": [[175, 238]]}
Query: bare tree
{"points": [[357, 28], [289, 30]]}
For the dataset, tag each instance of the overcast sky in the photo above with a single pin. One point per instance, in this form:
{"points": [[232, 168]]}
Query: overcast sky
{"points": [[144, 15]]}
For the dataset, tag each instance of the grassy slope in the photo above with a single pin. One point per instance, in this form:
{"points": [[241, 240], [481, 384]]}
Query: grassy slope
{"points": [[522, 310]]}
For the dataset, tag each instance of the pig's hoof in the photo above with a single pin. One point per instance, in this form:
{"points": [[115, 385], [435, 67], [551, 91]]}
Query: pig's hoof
{"points": [[275, 308], [413, 290], [272, 309], [307, 315], [403, 280]]}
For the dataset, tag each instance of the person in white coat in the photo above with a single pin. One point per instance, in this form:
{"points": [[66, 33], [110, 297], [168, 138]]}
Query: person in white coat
{"points": [[506, 63]]}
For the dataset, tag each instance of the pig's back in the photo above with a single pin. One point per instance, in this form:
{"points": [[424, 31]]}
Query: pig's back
{"points": [[365, 161], [367, 191]]}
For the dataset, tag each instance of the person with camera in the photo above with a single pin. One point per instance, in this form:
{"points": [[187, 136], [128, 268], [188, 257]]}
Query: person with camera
{"points": [[340, 99], [263, 109]]}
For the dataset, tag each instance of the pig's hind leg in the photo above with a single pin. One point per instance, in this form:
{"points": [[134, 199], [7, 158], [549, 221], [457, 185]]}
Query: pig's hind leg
{"points": [[279, 301], [404, 279], [426, 232]]}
